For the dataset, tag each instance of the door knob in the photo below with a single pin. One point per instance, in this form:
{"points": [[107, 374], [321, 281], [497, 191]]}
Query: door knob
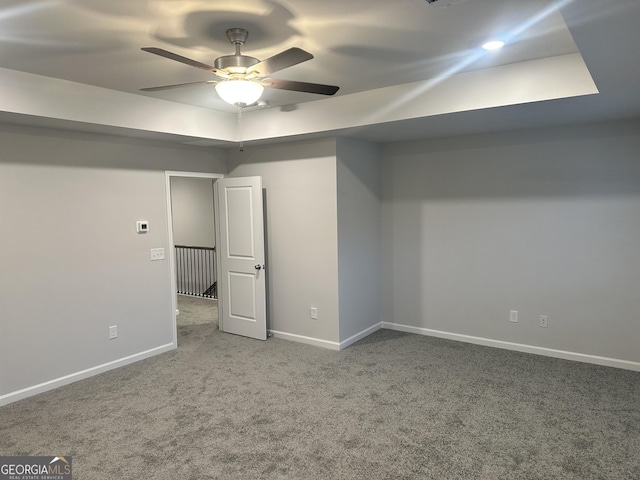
{"points": [[258, 267]]}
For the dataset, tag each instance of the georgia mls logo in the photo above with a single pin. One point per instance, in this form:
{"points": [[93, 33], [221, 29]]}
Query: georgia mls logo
{"points": [[35, 468]]}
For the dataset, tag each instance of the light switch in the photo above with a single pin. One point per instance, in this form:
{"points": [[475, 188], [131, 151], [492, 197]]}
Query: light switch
{"points": [[157, 254]]}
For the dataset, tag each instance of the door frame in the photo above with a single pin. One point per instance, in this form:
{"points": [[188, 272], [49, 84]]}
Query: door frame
{"points": [[172, 254]]}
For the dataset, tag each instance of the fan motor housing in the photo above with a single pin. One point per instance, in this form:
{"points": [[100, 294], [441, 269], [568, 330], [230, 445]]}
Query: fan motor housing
{"points": [[235, 63]]}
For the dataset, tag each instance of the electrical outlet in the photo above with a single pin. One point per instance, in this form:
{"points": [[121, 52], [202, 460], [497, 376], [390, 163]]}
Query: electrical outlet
{"points": [[314, 313], [543, 321], [113, 332], [513, 316]]}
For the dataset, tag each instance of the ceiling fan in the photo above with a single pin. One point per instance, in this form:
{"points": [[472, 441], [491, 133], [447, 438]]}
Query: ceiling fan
{"points": [[241, 78]]}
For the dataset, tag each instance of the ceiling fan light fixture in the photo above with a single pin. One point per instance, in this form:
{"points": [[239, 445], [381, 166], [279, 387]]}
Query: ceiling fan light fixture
{"points": [[239, 92]]}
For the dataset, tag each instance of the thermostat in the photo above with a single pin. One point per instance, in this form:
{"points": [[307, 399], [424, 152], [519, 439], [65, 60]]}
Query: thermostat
{"points": [[142, 226]]}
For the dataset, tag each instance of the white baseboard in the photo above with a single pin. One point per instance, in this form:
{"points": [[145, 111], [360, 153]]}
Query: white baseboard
{"points": [[518, 347], [308, 340], [359, 336], [89, 372], [326, 343]]}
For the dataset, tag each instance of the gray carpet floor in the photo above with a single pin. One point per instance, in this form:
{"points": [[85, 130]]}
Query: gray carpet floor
{"points": [[392, 406], [197, 310]]}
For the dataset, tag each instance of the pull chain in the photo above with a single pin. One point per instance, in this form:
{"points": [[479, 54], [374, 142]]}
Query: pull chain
{"points": [[240, 128]]}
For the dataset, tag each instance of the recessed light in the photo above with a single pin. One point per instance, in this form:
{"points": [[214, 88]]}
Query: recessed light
{"points": [[493, 45]]}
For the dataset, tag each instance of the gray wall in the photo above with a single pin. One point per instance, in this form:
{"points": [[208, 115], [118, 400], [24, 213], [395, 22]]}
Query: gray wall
{"points": [[72, 262], [299, 180], [359, 231], [192, 211], [543, 222]]}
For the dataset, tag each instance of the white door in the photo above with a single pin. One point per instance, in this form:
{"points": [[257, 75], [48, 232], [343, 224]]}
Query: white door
{"points": [[240, 247]]}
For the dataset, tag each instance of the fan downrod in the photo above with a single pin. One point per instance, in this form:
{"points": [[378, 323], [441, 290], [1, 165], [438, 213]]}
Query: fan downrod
{"points": [[236, 63]]}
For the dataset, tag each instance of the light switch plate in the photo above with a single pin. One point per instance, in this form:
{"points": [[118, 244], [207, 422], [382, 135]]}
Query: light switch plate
{"points": [[157, 254]]}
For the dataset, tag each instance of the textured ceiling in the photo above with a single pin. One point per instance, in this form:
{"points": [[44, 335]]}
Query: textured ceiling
{"points": [[358, 44], [363, 46]]}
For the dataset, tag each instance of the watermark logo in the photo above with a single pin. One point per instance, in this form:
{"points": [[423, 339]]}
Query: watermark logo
{"points": [[35, 468]]}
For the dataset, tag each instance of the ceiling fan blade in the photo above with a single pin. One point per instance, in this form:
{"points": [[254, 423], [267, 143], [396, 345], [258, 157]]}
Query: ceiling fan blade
{"points": [[280, 61], [300, 86], [181, 59], [177, 85]]}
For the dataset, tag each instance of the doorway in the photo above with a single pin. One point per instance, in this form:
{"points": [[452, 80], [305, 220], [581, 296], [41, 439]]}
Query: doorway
{"points": [[190, 208]]}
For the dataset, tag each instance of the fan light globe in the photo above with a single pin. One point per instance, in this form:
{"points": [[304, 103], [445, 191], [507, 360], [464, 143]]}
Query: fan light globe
{"points": [[239, 92]]}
